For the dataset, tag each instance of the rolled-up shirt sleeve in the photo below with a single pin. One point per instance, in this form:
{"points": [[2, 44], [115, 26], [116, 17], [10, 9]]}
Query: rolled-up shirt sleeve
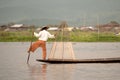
{"points": [[50, 36], [36, 34]]}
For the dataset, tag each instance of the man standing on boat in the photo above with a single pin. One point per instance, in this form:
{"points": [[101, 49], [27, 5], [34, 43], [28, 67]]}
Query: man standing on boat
{"points": [[42, 36]]}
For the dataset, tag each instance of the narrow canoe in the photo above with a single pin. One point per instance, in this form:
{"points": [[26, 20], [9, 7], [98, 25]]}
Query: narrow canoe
{"points": [[97, 60]]}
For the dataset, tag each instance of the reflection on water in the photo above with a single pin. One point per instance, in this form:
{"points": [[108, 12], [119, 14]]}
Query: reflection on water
{"points": [[52, 71], [13, 63], [74, 71], [38, 72]]}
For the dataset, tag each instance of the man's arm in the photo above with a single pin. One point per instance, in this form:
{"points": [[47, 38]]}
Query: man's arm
{"points": [[36, 34]]}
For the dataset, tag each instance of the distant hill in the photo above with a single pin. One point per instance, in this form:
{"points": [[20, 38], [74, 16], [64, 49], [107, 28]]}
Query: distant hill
{"points": [[42, 22]]}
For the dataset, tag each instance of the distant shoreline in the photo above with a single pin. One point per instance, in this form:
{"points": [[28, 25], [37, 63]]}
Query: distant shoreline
{"points": [[77, 36]]}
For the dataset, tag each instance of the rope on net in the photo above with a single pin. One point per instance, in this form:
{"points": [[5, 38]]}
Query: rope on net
{"points": [[61, 48]]}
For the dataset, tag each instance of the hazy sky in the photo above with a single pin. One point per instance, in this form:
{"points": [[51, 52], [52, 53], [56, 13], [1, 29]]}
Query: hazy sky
{"points": [[73, 10]]}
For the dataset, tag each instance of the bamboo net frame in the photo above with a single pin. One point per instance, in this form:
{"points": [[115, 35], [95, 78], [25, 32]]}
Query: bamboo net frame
{"points": [[62, 50]]}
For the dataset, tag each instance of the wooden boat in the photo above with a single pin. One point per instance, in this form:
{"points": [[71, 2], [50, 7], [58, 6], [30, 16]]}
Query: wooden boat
{"points": [[99, 60]]}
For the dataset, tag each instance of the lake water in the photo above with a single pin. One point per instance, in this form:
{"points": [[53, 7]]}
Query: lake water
{"points": [[13, 65]]}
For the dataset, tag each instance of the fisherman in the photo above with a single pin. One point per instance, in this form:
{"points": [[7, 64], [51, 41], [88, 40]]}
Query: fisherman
{"points": [[42, 36]]}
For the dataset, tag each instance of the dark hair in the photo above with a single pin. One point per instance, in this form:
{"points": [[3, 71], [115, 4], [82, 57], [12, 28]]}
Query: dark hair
{"points": [[44, 28]]}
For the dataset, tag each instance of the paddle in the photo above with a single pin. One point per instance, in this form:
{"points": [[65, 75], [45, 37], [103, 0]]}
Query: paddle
{"points": [[30, 43], [28, 58]]}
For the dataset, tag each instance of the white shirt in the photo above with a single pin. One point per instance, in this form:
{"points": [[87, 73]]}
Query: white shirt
{"points": [[43, 35]]}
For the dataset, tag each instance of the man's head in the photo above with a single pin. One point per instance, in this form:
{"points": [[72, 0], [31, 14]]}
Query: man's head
{"points": [[44, 28]]}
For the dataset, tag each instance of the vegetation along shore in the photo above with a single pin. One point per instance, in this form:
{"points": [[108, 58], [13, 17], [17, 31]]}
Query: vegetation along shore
{"points": [[99, 33]]}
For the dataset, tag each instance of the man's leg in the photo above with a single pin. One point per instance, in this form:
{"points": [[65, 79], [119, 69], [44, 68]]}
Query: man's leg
{"points": [[44, 50], [34, 46]]}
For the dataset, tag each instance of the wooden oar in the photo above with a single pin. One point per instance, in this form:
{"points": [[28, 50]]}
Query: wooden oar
{"points": [[29, 54], [30, 45], [28, 58]]}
